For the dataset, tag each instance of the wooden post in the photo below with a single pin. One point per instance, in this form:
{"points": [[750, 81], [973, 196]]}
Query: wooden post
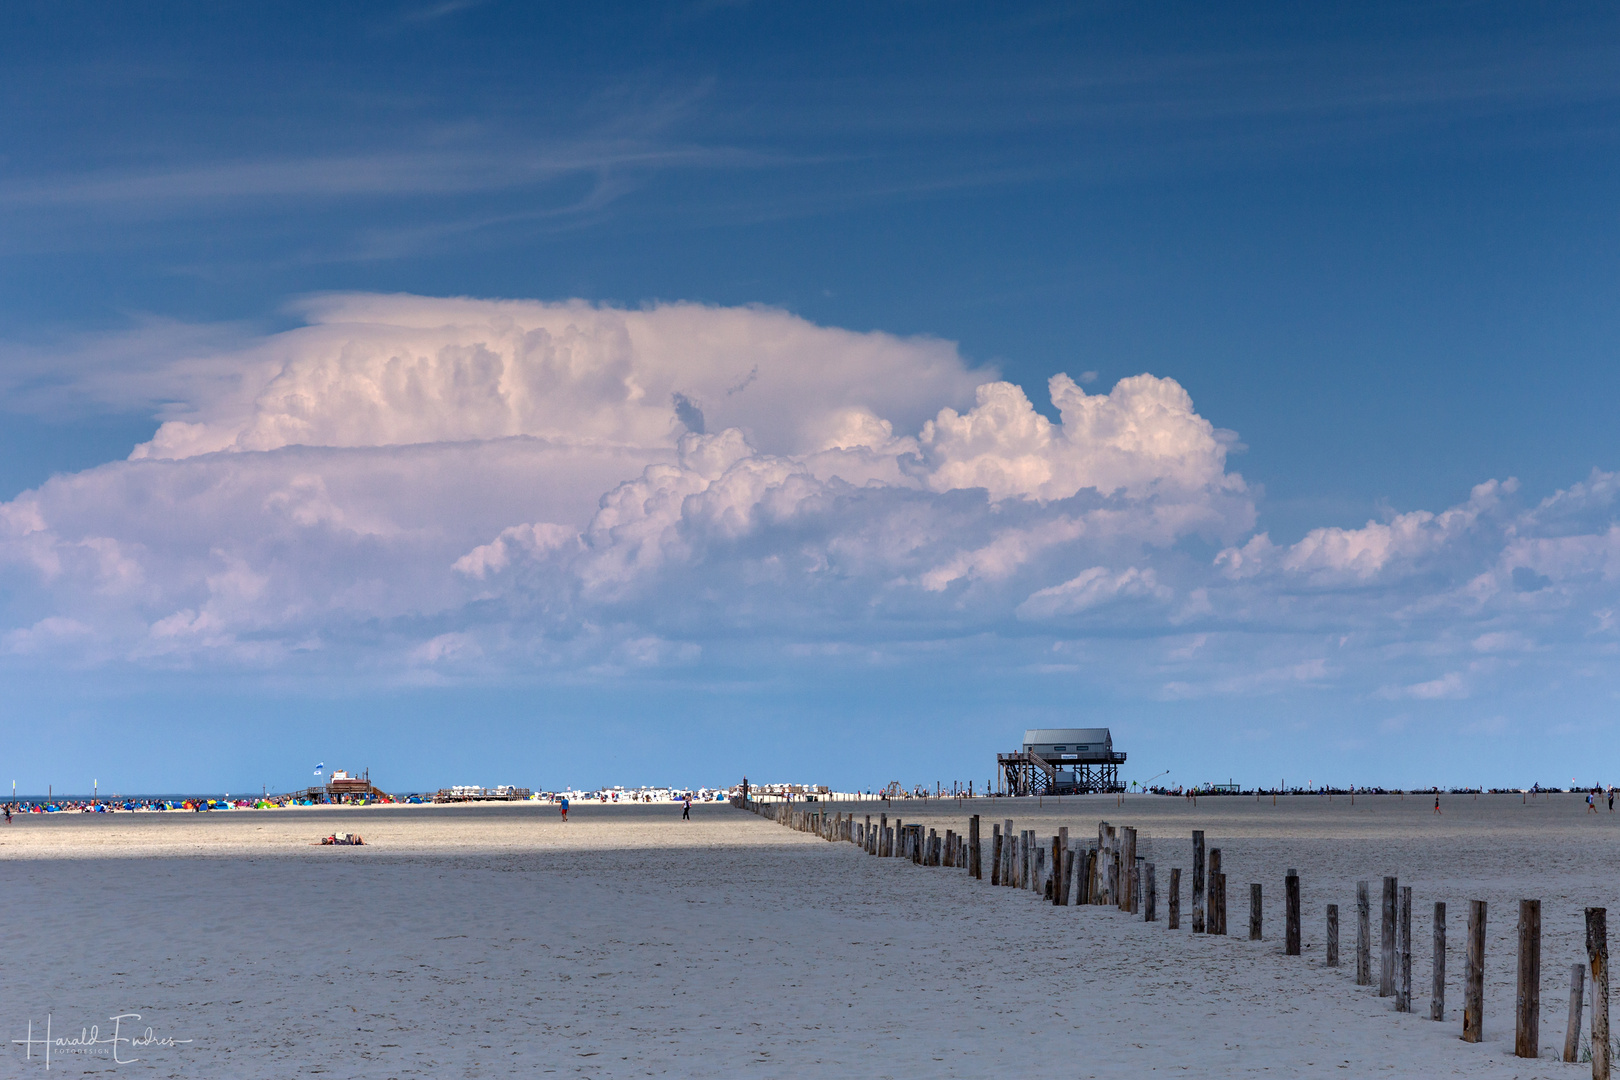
{"points": [[1386, 942], [1009, 847], [1062, 865], [1133, 868], [1070, 887], [1057, 869], [1332, 935], [1152, 902], [1215, 918], [1572, 1027], [1198, 882], [975, 866], [1527, 1010], [995, 854], [1363, 934], [1291, 914], [1437, 998], [1474, 979], [1403, 970], [1254, 911], [1175, 898], [1597, 958]]}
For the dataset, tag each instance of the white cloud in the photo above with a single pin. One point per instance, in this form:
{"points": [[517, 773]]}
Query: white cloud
{"points": [[1142, 437], [1091, 588], [399, 370], [442, 486], [1334, 554], [1453, 684]]}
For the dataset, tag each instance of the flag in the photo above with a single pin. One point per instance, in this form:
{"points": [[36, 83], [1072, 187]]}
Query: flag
{"points": [[319, 767]]}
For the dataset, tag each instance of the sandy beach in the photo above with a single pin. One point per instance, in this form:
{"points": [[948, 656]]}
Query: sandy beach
{"points": [[493, 941]]}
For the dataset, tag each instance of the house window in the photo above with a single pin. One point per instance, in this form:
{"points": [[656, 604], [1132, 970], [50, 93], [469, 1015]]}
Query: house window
{"points": [[1060, 747]]}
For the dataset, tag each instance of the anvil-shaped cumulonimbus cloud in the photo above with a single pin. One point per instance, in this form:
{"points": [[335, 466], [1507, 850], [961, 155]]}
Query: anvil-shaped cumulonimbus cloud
{"points": [[478, 485]]}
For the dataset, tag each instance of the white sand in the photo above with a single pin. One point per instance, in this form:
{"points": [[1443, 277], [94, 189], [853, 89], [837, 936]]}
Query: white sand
{"points": [[495, 941]]}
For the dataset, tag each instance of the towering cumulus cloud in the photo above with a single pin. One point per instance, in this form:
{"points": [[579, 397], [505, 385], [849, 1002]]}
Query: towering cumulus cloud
{"points": [[426, 486]]}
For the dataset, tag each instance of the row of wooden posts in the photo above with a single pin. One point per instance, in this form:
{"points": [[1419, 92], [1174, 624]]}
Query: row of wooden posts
{"points": [[1110, 872]]}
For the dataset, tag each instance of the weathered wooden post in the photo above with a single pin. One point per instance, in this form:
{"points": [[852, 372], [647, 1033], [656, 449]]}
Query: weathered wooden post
{"points": [[1597, 958], [1291, 913], [1198, 882], [1057, 869], [1254, 911], [1474, 979], [1071, 887], [995, 854], [1572, 1027], [1175, 898], [1152, 903], [1403, 973], [1527, 1010], [1127, 860], [1386, 943], [1062, 866], [1332, 935], [1437, 999], [1215, 917], [975, 865], [1363, 934]]}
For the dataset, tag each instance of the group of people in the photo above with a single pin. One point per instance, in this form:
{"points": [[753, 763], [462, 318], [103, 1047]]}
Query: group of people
{"points": [[686, 807]]}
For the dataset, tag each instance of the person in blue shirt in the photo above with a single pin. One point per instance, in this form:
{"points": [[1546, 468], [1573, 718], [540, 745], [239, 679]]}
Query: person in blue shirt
{"points": [[565, 808]]}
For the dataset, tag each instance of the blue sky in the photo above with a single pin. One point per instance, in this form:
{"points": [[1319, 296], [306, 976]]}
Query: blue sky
{"points": [[1367, 253]]}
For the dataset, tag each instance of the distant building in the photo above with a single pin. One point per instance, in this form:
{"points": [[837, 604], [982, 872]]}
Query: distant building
{"points": [[1062, 761]]}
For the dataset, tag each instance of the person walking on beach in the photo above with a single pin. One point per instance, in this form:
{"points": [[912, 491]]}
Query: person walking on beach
{"points": [[1437, 805], [1611, 800], [686, 814], [1591, 801], [565, 809]]}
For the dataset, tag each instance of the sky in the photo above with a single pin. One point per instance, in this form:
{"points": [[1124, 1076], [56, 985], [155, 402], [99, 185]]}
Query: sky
{"points": [[619, 393]]}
